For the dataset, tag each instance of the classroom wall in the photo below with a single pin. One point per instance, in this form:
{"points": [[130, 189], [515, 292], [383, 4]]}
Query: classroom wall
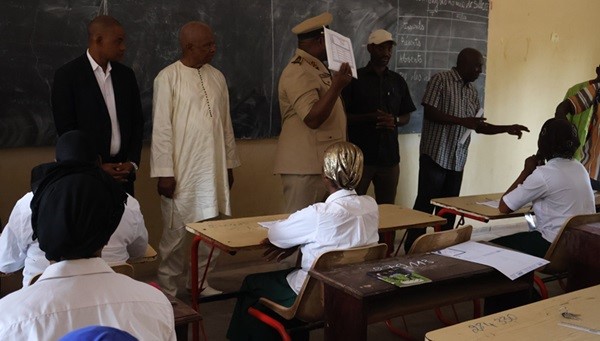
{"points": [[537, 49]]}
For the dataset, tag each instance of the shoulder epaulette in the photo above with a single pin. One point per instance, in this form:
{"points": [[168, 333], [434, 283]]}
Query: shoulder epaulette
{"points": [[297, 60]]}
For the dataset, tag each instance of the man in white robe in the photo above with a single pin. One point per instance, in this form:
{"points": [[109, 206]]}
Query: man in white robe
{"points": [[193, 149]]}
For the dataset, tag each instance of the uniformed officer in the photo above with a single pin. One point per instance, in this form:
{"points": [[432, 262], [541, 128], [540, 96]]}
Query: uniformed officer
{"points": [[312, 115]]}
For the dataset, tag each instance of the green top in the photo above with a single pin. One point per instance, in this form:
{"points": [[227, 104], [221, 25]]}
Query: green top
{"points": [[581, 120]]}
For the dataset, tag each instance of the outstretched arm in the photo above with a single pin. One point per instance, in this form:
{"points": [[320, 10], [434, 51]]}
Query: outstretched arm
{"points": [[492, 129]]}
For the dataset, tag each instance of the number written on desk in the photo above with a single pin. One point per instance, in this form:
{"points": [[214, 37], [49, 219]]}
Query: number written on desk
{"points": [[494, 323]]}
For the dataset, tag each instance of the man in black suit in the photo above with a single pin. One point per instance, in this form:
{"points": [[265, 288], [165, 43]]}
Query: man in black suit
{"points": [[98, 95]]}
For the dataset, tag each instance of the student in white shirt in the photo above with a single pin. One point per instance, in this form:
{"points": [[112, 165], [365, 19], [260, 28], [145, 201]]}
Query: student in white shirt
{"points": [[558, 186], [75, 210], [19, 251], [345, 220]]}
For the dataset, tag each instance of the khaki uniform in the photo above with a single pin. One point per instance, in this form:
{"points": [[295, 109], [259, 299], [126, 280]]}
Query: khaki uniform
{"points": [[300, 149]]}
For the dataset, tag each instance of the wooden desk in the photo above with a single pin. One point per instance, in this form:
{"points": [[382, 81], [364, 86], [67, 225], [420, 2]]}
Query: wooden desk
{"points": [[536, 321], [149, 256], [184, 315], [350, 289], [467, 206], [582, 245], [232, 235]]}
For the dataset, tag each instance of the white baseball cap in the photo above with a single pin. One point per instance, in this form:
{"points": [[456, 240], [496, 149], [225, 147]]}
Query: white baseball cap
{"points": [[380, 36]]}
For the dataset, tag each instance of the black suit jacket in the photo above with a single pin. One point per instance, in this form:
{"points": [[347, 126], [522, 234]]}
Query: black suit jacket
{"points": [[77, 103]]}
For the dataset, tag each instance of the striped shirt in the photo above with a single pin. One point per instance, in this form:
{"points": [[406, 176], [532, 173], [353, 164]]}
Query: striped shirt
{"points": [[582, 100], [447, 92]]}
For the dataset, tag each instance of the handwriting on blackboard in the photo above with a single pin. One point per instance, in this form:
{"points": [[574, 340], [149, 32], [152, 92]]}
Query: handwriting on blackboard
{"points": [[254, 45]]}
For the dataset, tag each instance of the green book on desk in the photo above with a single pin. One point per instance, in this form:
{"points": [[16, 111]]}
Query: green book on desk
{"points": [[399, 277]]}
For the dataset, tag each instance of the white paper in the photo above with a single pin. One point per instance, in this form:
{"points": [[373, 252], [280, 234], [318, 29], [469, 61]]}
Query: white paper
{"points": [[490, 203], [339, 50], [512, 264], [467, 133]]}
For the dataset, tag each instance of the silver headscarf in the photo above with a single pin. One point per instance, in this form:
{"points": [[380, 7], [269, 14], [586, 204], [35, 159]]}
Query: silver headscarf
{"points": [[343, 164]]}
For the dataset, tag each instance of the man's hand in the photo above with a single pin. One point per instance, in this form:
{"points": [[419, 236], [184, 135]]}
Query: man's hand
{"points": [[531, 164], [516, 129], [166, 186], [118, 171], [343, 77], [275, 253], [385, 121]]}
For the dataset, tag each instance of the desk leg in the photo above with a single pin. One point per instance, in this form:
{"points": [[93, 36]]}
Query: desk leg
{"points": [[445, 210], [194, 279], [344, 315]]}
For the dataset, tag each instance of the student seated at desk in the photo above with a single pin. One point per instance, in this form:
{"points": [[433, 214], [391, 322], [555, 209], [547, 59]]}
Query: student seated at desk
{"points": [[559, 189], [345, 220], [19, 251], [75, 210]]}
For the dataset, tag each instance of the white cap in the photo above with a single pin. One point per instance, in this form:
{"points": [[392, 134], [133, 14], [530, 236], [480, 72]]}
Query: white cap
{"points": [[380, 36]]}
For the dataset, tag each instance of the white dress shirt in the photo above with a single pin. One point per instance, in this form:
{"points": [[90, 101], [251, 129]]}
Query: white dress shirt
{"points": [[72, 294], [559, 190], [345, 220], [18, 249], [106, 87]]}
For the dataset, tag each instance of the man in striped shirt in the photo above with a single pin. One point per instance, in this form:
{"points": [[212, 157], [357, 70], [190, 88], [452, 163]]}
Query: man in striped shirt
{"points": [[586, 98], [450, 106]]}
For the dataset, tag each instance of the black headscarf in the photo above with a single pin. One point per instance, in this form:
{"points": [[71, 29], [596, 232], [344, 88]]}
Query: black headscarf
{"points": [[75, 210], [76, 206]]}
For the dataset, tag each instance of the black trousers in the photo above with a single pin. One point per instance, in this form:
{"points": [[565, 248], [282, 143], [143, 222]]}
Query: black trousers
{"points": [[434, 182]]}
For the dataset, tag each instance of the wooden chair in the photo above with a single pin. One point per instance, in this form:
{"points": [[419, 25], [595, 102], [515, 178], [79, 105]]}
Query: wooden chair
{"points": [[558, 256], [125, 269], [432, 242], [308, 306]]}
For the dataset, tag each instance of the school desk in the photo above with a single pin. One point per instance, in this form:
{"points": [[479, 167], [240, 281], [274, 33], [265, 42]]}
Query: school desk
{"points": [[354, 299], [542, 320], [149, 256], [232, 235], [469, 207], [184, 315]]}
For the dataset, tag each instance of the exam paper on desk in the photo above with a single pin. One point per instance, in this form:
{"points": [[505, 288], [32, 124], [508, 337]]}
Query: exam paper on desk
{"points": [[512, 264]]}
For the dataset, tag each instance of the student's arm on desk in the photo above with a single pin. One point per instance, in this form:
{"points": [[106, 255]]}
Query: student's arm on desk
{"points": [[531, 164]]}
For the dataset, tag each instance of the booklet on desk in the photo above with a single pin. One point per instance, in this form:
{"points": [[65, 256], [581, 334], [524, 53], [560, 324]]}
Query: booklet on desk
{"points": [[399, 277]]}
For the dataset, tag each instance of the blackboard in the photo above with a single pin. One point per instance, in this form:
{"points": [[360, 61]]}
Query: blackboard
{"points": [[254, 44]]}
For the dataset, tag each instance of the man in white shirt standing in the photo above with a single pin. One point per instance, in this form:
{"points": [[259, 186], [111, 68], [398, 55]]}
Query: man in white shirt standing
{"points": [[100, 96], [193, 149], [75, 210]]}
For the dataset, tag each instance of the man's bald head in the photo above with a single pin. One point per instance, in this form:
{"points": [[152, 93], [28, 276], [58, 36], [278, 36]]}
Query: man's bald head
{"points": [[469, 64], [100, 25], [197, 44]]}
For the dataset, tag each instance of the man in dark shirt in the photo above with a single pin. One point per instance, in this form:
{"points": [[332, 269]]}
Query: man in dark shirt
{"points": [[377, 103]]}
